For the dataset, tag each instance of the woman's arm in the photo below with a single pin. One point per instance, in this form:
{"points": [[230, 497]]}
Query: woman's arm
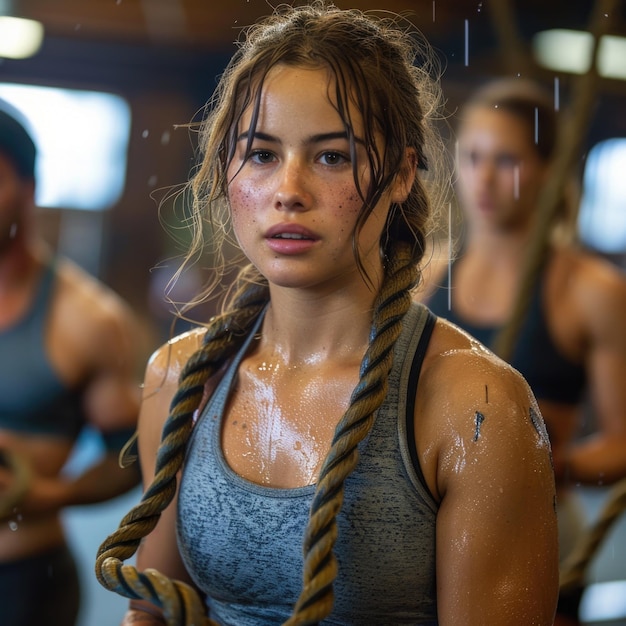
{"points": [[159, 549], [497, 545], [600, 297]]}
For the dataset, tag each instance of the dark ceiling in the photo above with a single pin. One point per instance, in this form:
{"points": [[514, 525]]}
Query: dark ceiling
{"points": [[214, 24], [181, 42]]}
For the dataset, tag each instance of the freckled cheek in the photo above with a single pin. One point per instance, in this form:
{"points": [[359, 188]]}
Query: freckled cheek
{"points": [[346, 205], [243, 203]]}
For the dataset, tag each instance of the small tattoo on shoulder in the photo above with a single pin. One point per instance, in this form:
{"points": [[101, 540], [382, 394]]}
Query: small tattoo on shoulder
{"points": [[479, 418]]}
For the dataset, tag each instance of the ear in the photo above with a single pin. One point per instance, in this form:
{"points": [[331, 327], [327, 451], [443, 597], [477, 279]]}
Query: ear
{"points": [[404, 179]]}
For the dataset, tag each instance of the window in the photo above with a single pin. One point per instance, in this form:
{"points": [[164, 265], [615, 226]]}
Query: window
{"points": [[602, 219], [82, 140]]}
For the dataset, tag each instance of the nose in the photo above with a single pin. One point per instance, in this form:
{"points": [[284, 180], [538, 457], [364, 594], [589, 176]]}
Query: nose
{"points": [[292, 186]]}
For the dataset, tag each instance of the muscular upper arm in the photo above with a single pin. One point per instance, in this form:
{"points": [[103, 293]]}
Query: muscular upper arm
{"points": [[497, 547], [99, 348], [113, 393]]}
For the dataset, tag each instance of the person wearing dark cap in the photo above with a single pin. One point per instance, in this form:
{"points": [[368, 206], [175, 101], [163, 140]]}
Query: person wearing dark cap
{"points": [[68, 359]]}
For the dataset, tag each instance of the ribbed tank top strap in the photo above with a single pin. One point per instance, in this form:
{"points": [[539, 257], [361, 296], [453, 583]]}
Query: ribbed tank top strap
{"points": [[418, 324], [35, 319], [218, 399], [41, 304]]}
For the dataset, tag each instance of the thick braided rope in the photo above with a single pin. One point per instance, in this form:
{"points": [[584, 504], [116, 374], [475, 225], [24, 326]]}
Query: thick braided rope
{"points": [[179, 602], [573, 569], [320, 566]]}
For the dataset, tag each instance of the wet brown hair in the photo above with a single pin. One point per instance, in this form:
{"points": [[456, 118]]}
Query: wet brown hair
{"points": [[527, 101], [385, 72]]}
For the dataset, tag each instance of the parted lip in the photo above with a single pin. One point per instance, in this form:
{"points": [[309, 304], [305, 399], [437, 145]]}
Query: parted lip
{"points": [[289, 229]]}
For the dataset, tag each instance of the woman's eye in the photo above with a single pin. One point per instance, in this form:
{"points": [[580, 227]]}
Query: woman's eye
{"points": [[333, 158], [261, 156]]}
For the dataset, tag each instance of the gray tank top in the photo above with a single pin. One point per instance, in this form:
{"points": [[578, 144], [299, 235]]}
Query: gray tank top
{"points": [[242, 542], [33, 399]]}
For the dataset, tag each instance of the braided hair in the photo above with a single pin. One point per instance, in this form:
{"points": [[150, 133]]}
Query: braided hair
{"points": [[384, 72]]}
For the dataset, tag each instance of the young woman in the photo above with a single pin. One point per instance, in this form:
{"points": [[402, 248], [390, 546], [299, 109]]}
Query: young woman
{"points": [[348, 458], [572, 343]]}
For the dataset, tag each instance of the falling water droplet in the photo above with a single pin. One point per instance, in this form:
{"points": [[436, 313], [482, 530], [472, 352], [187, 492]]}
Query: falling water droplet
{"points": [[13, 525]]}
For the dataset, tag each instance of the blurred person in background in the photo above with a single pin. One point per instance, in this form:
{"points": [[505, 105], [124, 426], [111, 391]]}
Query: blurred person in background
{"points": [[69, 358], [571, 346]]}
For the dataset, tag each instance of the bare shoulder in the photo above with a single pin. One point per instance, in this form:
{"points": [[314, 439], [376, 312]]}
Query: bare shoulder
{"points": [[162, 373], [470, 400], [167, 361], [93, 332], [93, 319], [81, 290], [598, 288], [598, 275], [472, 373]]}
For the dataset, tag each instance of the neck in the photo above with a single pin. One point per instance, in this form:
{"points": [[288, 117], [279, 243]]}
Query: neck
{"points": [[498, 245], [17, 264], [302, 328]]}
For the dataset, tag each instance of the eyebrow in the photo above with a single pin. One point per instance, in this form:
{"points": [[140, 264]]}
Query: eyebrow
{"points": [[312, 139]]}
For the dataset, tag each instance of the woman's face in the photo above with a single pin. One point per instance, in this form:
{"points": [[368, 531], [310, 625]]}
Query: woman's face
{"points": [[293, 197], [500, 171]]}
